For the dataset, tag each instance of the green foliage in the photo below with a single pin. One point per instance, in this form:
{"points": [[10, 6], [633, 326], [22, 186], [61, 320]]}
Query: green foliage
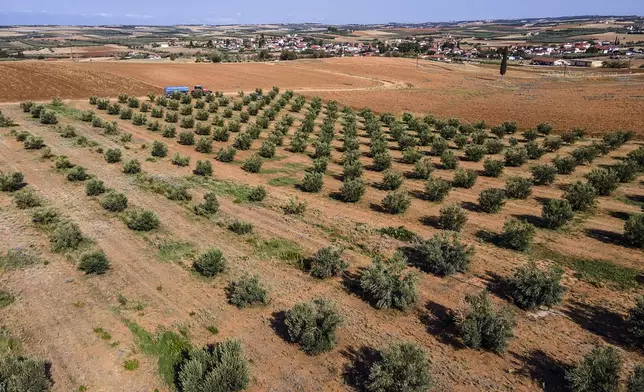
{"points": [[518, 187], [352, 190], [605, 181], [240, 227], [491, 200], [464, 178], [626, 171], [411, 155], [253, 164], [636, 322], [391, 180], [396, 202], [565, 165], [517, 234], [581, 196], [313, 182], [449, 160], [26, 198], [436, 189], [203, 168], [443, 254], [557, 212], [226, 154], [23, 374], [534, 150], [169, 131], [94, 263], [312, 325], [327, 262], [204, 145], [113, 155], [139, 119], [66, 235], [267, 149], [114, 201], [531, 287], [209, 206], [584, 155], [187, 122], [133, 166], [599, 371], [515, 156], [400, 233], [382, 161], [11, 181], [402, 367], [48, 117], [180, 160], [493, 168], [543, 174], [77, 173], [634, 230], [452, 217], [475, 152], [635, 382], [159, 149], [34, 143], [483, 327], [247, 291], [544, 128], [257, 194], [44, 216], [385, 286], [221, 367], [294, 207], [423, 168], [243, 141], [141, 220], [210, 263]]}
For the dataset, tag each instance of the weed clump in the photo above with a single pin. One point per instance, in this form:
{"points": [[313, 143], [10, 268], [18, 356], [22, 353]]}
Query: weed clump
{"points": [[133, 166], [141, 220], [26, 198]]}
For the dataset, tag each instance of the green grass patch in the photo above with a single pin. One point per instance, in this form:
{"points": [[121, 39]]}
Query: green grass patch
{"points": [[166, 345], [212, 329], [174, 251], [596, 272], [8, 344], [400, 233], [6, 299], [131, 364], [103, 334], [65, 111], [628, 201], [277, 248], [237, 191], [283, 181], [289, 168], [16, 259]]}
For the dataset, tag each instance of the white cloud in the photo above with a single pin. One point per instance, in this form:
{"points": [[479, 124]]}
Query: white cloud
{"points": [[137, 16], [104, 15]]}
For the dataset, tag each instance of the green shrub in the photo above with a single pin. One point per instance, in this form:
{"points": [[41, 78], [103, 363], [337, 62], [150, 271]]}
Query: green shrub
{"points": [[113, 155], [530, 134], [240, 227], [243, 141], [218, 367], [483, 327], [352, 170], [204, 145], [209, 206], [267, 149], [210, 263], [203, 168], [257, 194], [154, 126], [352, 190], [48, 117], [94, 187], [77, 173], [26, 106], [114, 201], [626, 171], [226, 154], [97, 122], [584, 155], [491, 200], [18, 373], [320, 165], [253, 164], [44, 216], [11, 181], [475, 152], [517, 234], [247, 291], [635, 380], [66, 235], [531, 287], [534, 150], [543, 174], [494, 146], [187, 122], [581, 196], [139, 119], [34, 143], [464, 178], [396, 202], [515, 156], [598, 371], [114, 109], [312, 325], [436, 189], [439, 146], [312, 182], [385, 286], [94, 263], [443, 254], [605, 181], [26, 198], [544, 128], [327, 262], [187, 138], [411, 155], [203, 129], [62, 162], [557, 212], [169, 131], [141, 220], [452, 217], [159, 149], [518, 187], [423, 169], [402, 367], [382, 161], [634, 230], [635, 322], [36, 110], [133, 166], [391, 180], [461, 141], [180, 160], [492, 168], [565, 165], [171, 117], [449, 160], [221, 134], [294, 207]]}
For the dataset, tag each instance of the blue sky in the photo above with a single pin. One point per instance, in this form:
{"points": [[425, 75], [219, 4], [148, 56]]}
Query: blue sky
{"points": [[166, 12]]}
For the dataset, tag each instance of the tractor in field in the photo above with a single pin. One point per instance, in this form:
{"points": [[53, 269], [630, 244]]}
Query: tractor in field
{"points": [[199, 91]]}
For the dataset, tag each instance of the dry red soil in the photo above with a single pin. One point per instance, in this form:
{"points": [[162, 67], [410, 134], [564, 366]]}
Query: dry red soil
{"points": [[58, 307]]}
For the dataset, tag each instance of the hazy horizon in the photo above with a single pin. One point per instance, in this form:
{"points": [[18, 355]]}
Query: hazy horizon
{"points": [[148, 12]]}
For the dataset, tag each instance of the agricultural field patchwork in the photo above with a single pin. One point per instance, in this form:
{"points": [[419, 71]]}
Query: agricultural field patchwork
{"points": [[273, 240]]}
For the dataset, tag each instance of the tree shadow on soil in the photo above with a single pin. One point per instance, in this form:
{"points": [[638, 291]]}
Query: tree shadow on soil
{"points": [[609, 325], [469, 206], [607, 237], [548, 372], [489, 237], [536, 221], [619, 215], [431, 221], [279, 326], [360, 360], [439, 322], [497, 285]]}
